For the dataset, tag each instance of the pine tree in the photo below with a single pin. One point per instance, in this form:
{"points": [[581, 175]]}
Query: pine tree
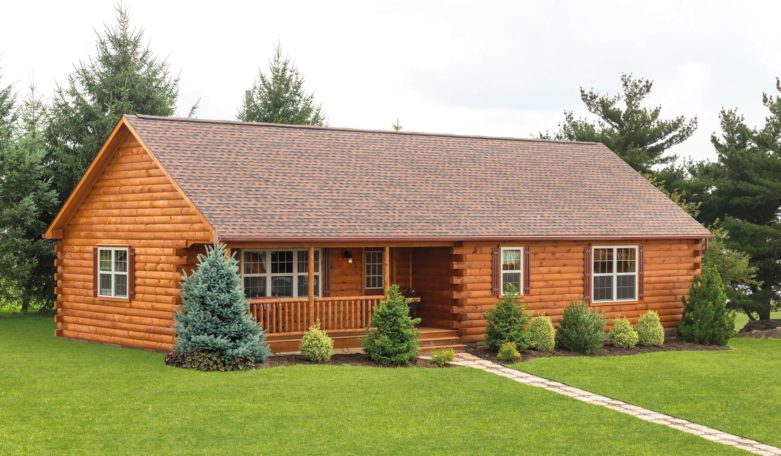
{"points": [[636, 133], [392, 338], [26, 203], [124, 78], [743, 191], [706, 319], [215, 324], [279, 97]]}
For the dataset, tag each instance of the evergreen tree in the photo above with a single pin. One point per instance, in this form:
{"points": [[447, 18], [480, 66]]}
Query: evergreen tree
{"points": [[26, 203], [215, 324], [279, 97], [392, 337], [735, 270], [636, 133], [706, 319], [743, 190], [124, 78]]}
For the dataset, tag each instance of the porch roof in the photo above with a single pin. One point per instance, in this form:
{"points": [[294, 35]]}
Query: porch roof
{"points": [[278, 182]]}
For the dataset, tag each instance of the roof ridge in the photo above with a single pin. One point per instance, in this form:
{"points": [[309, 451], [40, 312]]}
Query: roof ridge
{"points": [[356, 130]]}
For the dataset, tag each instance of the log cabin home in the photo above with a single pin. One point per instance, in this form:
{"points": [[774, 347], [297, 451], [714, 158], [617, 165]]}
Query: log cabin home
{"points": [[323, 220]]}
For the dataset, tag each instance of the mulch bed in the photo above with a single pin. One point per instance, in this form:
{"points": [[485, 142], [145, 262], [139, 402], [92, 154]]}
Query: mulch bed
{"points": [[357, 359], [607, 350], [762, 329]]}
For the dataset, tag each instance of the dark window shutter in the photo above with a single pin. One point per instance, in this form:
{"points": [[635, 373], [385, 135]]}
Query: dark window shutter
{"points": [[640, 273], [325, 275], [587, 273], [527, 276], [496, 269], [94, 271], [131, 272]]}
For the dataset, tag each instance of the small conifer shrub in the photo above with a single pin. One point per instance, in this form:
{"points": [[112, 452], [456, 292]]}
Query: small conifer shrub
{"points": [[649, 329], [316, 346], [392, 338], [508, 352], [622, 335], [442, 357], [706, 319], [507, 322], [581, 329], [542, 334]]}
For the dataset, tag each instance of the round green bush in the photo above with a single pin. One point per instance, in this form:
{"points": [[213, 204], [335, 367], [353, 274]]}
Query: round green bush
{"points": [[649, 330], [581, 329], [622, 335], [507, 322], [316, 346], [508, 352], [542, 334], [442, 357]]}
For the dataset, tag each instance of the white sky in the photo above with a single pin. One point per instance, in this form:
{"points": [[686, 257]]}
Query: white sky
{"points": [[469, 67]]}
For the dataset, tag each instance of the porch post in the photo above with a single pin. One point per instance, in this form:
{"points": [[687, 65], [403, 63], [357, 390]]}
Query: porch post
{"points": [[386, 269], [311, 285]]}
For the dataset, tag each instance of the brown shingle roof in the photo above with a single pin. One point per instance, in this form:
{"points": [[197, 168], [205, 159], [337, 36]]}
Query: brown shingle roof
{"points": [[277, 181]]}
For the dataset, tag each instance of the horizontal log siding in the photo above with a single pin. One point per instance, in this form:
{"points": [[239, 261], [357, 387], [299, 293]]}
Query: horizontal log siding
{"points": [[132, 203], [557, 280]]}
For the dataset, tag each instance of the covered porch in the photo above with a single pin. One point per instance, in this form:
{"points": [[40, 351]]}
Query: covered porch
{"points": [[291, 287]]}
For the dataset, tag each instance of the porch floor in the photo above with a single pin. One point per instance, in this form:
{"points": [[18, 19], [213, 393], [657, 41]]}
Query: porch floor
{"points": [[431, 339]]}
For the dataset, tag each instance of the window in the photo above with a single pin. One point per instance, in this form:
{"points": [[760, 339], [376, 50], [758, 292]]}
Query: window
{"points": [[112, 272], [374, 269], [512, 268], [278, 273], [614, 274]]}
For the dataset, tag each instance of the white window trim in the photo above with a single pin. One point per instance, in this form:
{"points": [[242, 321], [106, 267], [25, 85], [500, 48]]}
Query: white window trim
{"points": [[502, 271], [366, 263], [296, 274], [615, 274], [114, 273]]}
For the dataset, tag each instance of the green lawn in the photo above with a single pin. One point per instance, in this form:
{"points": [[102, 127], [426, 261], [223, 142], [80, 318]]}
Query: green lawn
{"points": [[59, 396], [737, 391]]}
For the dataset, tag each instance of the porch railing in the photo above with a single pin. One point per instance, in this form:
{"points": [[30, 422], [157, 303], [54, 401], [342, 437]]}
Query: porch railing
{"points": [[295, 315]]}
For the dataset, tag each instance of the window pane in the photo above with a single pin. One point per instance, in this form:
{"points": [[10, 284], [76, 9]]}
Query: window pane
{"points": [[105, 260], [625, 259], [374, 269], [511, 260], [303, 261], [603, 288], [282, 286], [120, 285], [120, 260], [603, 261], [282, 262], [625, 287], [104, 288], [303, 282], [254, 262], [254, 287], [513, 278]]}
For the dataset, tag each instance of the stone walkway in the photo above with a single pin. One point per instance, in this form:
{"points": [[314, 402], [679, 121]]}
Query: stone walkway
{"points": [[468, 360]]}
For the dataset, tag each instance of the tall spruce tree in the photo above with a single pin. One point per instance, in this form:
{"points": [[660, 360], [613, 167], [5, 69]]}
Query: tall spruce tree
{"points": [[636, 133], [215, 331], [124, 78], [26, 204], [744, 192], [279, 96]]}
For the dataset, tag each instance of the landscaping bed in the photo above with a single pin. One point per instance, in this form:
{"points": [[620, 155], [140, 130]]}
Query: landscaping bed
{"points": [[356, 359], [607, 350], [762, 329]]}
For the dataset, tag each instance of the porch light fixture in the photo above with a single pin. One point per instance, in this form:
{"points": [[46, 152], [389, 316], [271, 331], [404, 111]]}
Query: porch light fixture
{"points": [[348, 255]]}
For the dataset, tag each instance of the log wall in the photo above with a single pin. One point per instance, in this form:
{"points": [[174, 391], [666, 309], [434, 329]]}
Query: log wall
{"points": [[133, 203]]}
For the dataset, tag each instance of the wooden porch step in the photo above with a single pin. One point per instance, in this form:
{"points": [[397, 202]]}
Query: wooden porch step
{"points": [[431, 349]]}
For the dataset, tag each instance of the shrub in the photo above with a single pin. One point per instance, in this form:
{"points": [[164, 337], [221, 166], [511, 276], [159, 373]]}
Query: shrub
{"points": [[316, 346], [508, 352], [392, 337], [706, 319], [649, 330], [581, 329], [622, 335], [176, 359], [442, 357], [215, 330], [507, 322], [542, 334]]}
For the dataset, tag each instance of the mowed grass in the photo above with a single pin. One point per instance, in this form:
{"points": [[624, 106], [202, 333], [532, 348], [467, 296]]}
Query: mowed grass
{"points": [[59, 396], [737, 391]]}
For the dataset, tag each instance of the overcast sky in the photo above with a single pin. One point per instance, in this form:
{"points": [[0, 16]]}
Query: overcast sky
{"points": [[489, 68]]}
